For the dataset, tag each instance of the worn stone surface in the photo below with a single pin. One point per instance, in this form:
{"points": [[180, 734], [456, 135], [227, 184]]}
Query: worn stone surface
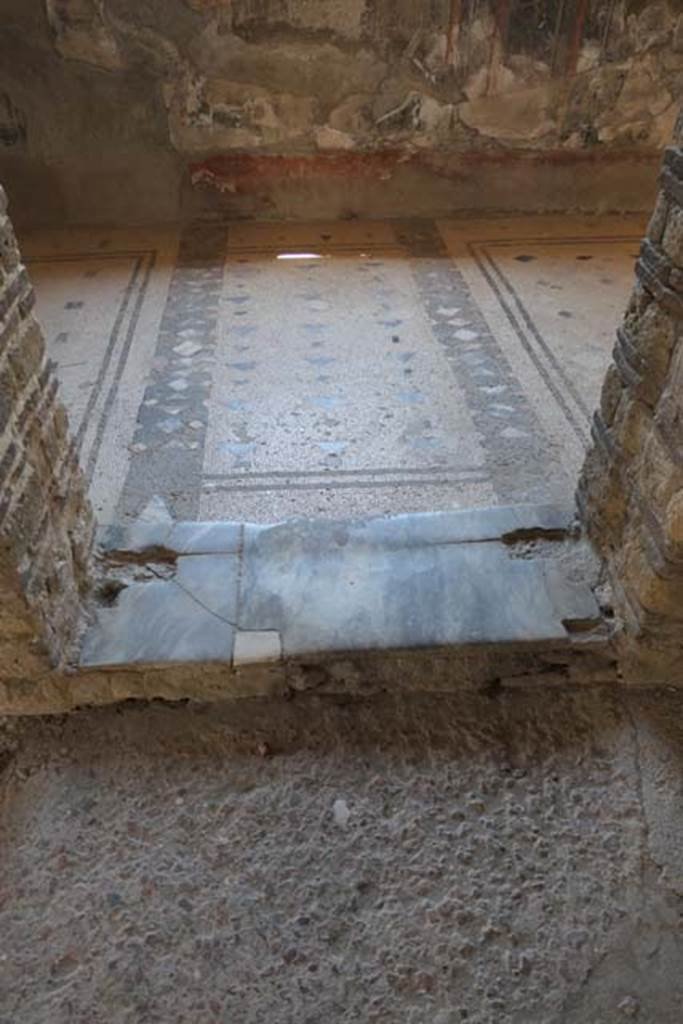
{"points": [[46, 524], [333, 586], [316, 607], [323, 588], [632, 480], [481, 859], [188, 616], [158, 93]]}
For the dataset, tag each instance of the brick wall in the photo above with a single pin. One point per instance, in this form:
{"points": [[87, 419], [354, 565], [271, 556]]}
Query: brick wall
{"points": [[631, 489], [46, 523]]}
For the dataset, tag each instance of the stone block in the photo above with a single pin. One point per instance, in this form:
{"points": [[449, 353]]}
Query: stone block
{"points": [[610, 395], [656, 474], [9, 251], [632, 422], [8, 395], [652, 336], [672, 524], [332, 587], [26, 354], [188, 617], [656, 595], [657, 223], [35, 523], [672, 237]]}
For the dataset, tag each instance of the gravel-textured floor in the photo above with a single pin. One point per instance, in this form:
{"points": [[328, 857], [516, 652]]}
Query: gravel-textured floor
{"points": [[489, 859]]}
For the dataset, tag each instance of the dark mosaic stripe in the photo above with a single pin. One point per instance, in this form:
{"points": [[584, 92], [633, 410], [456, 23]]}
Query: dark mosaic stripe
{"points": [[168, 446], [540, 353], [522, 465], [110, 399], [350, 485]]}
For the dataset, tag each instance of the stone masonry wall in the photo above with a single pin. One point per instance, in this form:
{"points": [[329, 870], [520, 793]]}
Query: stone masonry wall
{"points": [[117, 109], [46, 524], [631, 489]]}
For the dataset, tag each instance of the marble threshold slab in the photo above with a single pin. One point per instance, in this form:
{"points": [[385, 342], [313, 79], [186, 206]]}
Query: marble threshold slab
{"points": [[314, 591]]}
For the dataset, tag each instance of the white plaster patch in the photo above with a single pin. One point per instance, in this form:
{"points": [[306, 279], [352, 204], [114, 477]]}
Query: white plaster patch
{"points": [[256, 647]]}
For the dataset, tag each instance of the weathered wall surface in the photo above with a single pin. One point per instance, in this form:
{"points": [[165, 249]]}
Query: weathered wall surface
{"points": [[110, 108], [631, 490], [45, 519]]}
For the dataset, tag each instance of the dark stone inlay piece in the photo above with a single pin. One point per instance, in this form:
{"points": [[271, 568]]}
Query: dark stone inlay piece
{"points": [[170, 465], [518, 454]]}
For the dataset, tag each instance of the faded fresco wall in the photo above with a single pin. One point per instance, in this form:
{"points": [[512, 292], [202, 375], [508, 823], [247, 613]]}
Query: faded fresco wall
{"points": [[127, 107]]}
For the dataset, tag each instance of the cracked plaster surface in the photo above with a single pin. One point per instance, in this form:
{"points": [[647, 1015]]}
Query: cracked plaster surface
{"points": [[249, 76], [183, 94]]}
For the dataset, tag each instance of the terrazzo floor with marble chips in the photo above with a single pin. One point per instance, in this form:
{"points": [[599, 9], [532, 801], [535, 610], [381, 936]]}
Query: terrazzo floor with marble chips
{"points": [[256, 372]]}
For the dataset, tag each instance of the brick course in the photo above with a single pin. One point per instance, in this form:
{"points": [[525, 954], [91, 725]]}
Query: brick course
{"points": [[631, 489], [46, 524]]}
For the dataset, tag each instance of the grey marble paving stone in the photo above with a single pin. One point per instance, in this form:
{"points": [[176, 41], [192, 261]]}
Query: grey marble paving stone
{"points": [[319, 586], [205, 538], [182, 538], [460, 526], [211, 580], [188, 618], [572, 599], [326, 586], [450, 527], [134, 537]]}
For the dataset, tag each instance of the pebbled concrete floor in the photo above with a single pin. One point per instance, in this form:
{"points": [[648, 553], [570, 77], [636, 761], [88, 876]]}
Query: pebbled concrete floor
{"points": [[499, 858], [255, 372]]}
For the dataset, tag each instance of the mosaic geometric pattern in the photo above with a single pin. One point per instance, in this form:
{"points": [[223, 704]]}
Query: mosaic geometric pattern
{"points": [[258, 371]]}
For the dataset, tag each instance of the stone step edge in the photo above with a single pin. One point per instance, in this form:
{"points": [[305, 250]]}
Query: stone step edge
{"points": [[491, 669]]}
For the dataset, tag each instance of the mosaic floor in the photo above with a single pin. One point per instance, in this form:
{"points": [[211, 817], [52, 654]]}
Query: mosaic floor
{"points": [[258, 371]]}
